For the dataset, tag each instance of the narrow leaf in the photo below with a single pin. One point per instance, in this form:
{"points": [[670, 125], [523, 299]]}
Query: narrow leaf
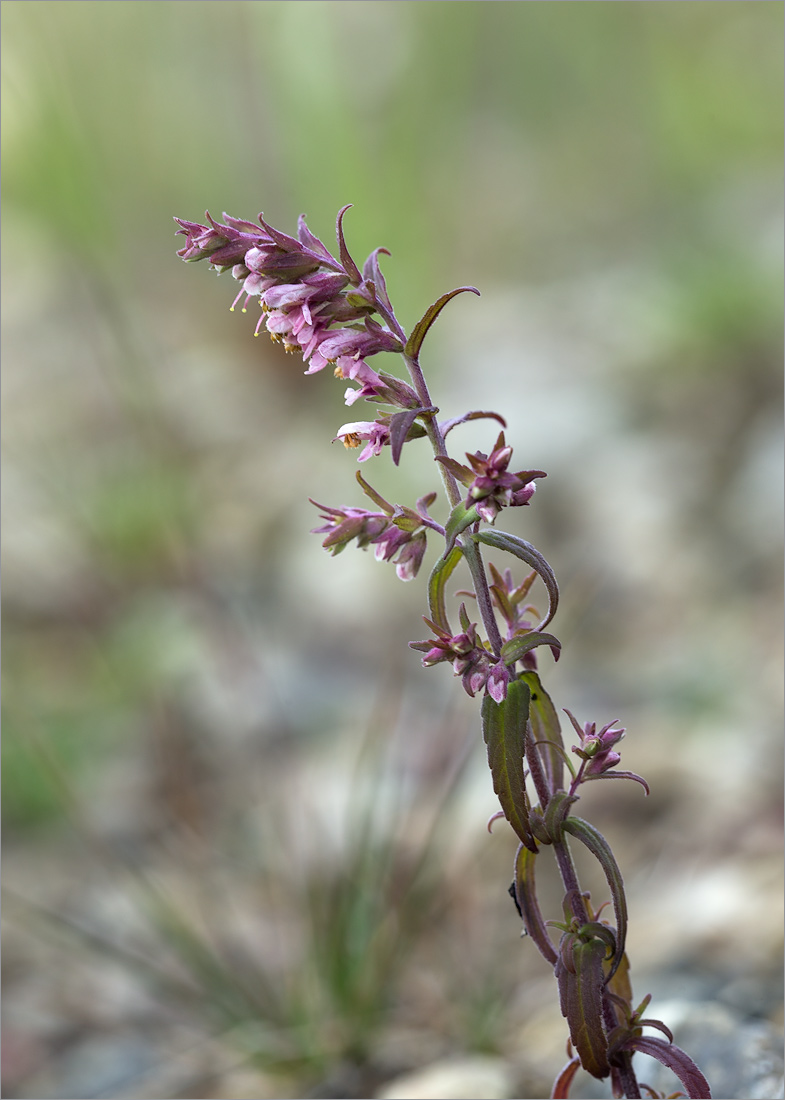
{"points": [[555, 815], [619, 775], [287, 243], [311, 241], [504, 729], [400, 424], [436, 585], [676, 1060], [377, 498], [460, 518], [521, 644], [457, 469], [349, 265], [585, 1007], [420, 330], [524, 550], [562, 1084], [526, 896], [600, 849], [373, 273], [620, 986], [447, 426], [546, 730]]}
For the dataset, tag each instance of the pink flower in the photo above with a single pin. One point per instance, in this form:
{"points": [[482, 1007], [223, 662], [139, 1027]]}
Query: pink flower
{"points": [[596, 748], [476, 665], [374, 431], [491, 487], [391, 542]]}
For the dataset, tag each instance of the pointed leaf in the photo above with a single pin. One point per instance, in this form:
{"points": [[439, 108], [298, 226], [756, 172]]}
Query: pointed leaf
{"points": [[448, 425], [372, 273], [350, 267], [555, 815], [400, 424], [526, 897], [521, 644], [524, 550], [460, 518], [377, 498], [561, 1086], [546, 730], [420, 330], [504, 730], [581, 981], [287, 243], [586, 1030], [436, 584], [311, 241], [619, 775], [676, 1060], [424, 503], [457, 469], [620, 986], [660, 1026], [600, 849]]}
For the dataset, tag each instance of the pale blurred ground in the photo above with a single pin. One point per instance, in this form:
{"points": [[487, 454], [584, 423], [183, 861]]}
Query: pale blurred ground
{"points": [[206, 893]]}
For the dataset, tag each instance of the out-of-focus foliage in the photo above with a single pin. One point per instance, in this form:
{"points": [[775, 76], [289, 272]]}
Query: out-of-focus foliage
{"points": [[610, 176]]}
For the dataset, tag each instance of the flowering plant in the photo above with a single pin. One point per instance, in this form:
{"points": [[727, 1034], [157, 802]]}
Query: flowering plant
{"points": [[332, 313]]}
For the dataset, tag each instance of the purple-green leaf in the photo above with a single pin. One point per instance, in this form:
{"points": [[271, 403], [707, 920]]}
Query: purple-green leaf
{"points": [[526, 896], [521, 644], [436, 585], [459, 519], [350, 267], [676, 1060], [504, 730], [619, 775], [600, 849], [448, 425], [373, 273], [457, 469], [546, 730], [556, 813], [400, 425], [377, 498], [524, 550], [579, 972], [420, 330], [562, 1084]]}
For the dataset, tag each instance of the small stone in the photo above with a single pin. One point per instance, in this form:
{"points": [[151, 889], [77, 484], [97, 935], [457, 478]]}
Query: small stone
{"points": [[468, 1078]]}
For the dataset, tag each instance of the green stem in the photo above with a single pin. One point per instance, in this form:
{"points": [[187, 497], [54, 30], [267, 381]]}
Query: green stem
{"points": [[471, 550]]}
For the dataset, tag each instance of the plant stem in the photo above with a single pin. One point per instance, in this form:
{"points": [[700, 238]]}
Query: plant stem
{"points": [[570, 879]]}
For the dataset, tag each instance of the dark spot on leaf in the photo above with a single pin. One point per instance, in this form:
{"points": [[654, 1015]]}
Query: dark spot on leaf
{"points": [[514, 897]]}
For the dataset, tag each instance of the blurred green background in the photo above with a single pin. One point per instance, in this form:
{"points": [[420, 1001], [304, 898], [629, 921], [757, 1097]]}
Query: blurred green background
{"points": [[244, 830]]}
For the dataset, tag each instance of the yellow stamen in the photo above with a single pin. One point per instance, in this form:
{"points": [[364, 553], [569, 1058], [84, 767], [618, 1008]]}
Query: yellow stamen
{"points": [[351, 440]]}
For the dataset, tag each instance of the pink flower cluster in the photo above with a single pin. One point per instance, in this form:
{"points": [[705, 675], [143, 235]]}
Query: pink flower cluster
{"points": [[403, 545], [596, 748], [491, 486], [311, 302], [476, 665]]}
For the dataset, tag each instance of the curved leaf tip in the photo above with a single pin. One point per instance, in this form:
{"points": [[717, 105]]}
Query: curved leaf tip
{"points": [[420, 330], [349, 265]]}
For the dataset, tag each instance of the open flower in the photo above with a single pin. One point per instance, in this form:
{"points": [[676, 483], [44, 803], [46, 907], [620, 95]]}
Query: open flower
{"points": [[312, 303], [375, 432]]}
